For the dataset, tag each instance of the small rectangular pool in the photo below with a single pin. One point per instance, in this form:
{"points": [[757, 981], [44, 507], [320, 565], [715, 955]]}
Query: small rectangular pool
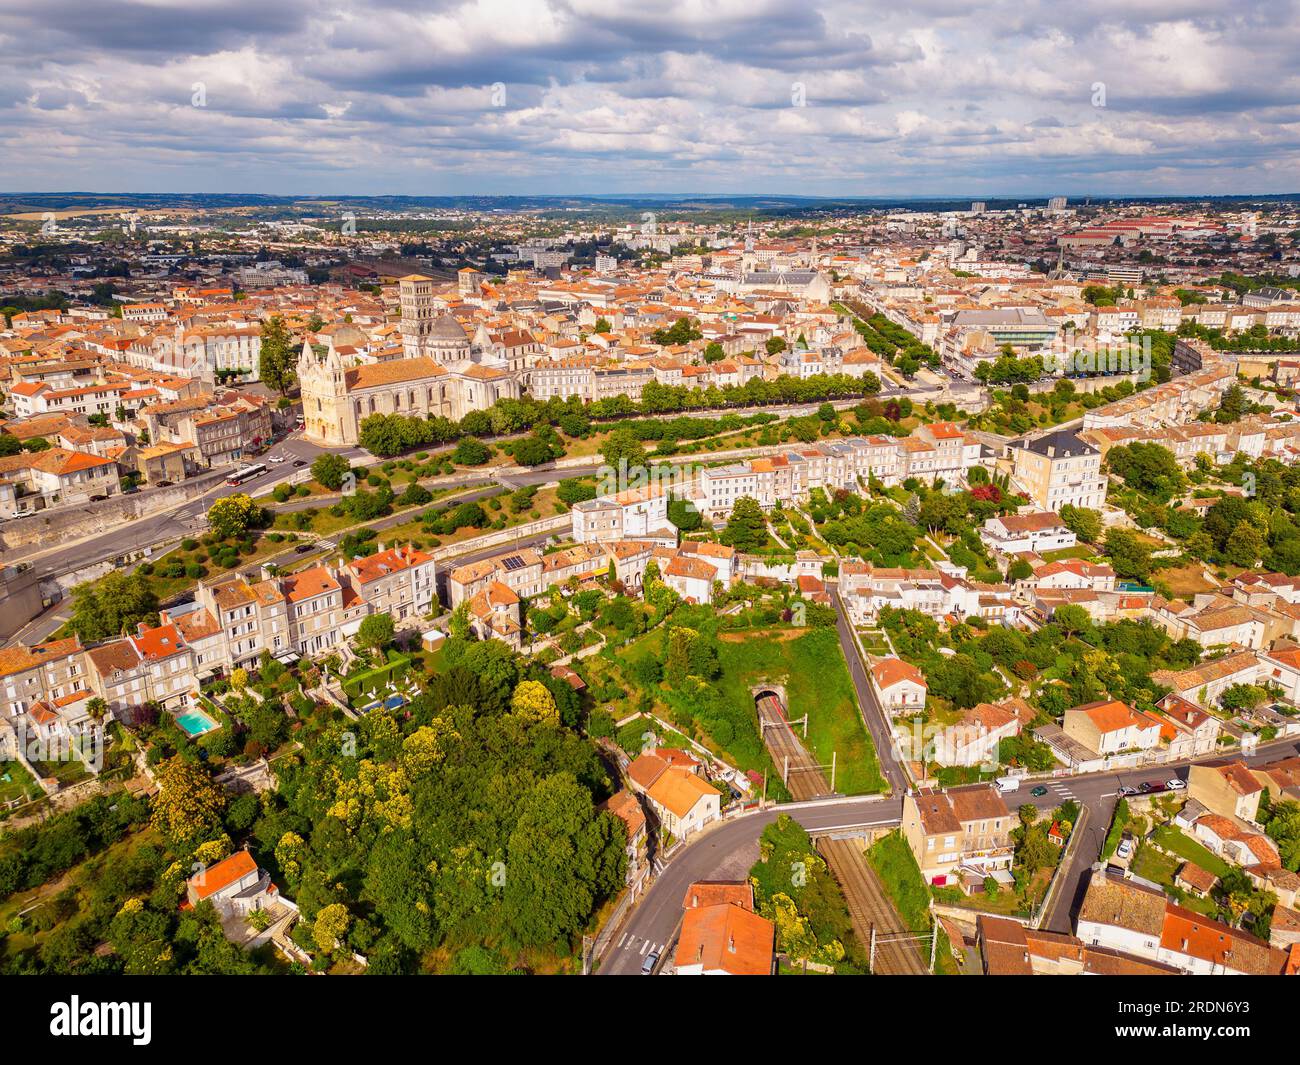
{"points": [[391, 703], [196, 723]]}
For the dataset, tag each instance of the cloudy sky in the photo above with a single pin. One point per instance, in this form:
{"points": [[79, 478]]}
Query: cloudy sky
{"points": [[925, 97]]}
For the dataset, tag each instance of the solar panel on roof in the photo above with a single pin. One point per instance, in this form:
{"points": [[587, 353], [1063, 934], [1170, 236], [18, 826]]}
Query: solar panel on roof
{"points": [[513, 563]]}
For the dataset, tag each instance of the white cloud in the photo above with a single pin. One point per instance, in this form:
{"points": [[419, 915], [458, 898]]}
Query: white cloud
{"points": [[619, 95]]}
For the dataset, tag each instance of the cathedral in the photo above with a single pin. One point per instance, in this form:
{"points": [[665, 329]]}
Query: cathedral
{"points": [[440, 374]]}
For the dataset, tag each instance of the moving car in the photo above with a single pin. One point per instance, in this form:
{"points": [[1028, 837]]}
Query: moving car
{"points": [[299, 463], [302, 549], [1038, 792]]}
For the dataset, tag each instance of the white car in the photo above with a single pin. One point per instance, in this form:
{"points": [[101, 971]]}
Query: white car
{"points": [[1125, 849], [275, 458], [1176, 784]]}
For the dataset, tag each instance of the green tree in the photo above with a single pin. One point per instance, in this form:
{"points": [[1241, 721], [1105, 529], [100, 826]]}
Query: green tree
{"points": [[112, 605], [189, 806], [1245, 545], [376, 632], [276, 359], [470, 452], [746, 527], [622, 446], [330, 471]]}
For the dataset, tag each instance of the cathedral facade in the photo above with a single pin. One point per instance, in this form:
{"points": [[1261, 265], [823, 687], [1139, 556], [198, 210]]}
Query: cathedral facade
{"points": [[440, 375]]}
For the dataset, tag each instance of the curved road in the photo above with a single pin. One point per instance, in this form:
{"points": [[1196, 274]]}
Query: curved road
{"points": [[727, 850]]}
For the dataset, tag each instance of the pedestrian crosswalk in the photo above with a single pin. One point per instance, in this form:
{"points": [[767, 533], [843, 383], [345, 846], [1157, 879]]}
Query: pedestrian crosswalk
{"points": [[1063, 790], [639, 946]]}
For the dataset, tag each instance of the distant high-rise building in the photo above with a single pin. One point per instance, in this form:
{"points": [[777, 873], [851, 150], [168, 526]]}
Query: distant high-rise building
{"points": [[978, 207], [1056, 203]]}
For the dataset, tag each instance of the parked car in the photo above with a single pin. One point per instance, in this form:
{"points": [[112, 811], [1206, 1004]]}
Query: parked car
{"points": [[1176, 784], [1125, 791], [1155, 785], [648, 966], [1144, 788], [164, 484], [1038, 792], [299, 463], [1125, 849]]}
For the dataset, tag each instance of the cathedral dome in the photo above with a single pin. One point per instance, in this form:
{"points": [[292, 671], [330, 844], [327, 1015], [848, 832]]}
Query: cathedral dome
{"points": [[447, 328]]}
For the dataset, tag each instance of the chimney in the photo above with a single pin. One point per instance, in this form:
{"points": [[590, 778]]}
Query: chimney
{"points": [[1051, 451], [731, 944]]}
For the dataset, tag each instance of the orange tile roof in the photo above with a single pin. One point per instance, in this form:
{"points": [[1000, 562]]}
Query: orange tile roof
{"points": [[891, 671], [211, 880], [727, 938]]}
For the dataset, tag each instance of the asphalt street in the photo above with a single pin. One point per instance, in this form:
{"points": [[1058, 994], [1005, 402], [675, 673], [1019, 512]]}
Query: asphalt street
{"points": [[725, 852]]}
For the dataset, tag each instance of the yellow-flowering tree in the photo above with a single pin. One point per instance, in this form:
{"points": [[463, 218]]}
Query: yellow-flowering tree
{"points": [[534, 702], [331, 926], [232, 516], [189, 806]]}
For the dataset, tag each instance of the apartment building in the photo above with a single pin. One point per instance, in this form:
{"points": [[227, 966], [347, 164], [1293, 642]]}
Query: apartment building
{"points": [[867, 589], [1033, 532], [46, 672], [1110, 727], [631, 514], [399, 581], [225, 427], [1058, 469], [959, 832]]}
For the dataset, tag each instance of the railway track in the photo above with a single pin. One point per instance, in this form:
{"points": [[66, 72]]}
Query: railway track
{"points": [[869, 907], [804, 779]]}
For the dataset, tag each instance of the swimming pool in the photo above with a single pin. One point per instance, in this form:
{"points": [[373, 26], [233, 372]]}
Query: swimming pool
{"points": [[391, 703], [195, 723]]}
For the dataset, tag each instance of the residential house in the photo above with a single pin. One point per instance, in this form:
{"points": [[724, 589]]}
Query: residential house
{"points": [[964, 829]]}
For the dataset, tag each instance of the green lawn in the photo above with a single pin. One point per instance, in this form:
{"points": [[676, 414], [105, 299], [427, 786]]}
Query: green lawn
{"points": [[1077, 551], [16, 783], [816, 679], [1184, 846]]}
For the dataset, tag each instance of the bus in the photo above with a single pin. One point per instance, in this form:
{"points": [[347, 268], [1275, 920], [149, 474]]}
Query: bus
{"points": [[246, 473]]}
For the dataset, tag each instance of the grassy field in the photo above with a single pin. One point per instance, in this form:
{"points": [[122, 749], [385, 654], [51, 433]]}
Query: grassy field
{"points": [[16, 783], [1077, 551], [1185, 581], [817, 683], [1174, 841]]}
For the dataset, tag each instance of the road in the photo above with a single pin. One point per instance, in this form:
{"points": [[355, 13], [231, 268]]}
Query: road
{"points": [[725, 852], [872, 715], [158, 528], [1099, 792]]}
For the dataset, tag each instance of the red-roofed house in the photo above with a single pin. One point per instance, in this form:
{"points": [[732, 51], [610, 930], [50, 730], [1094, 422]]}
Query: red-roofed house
{"points": [[899, 686]]}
